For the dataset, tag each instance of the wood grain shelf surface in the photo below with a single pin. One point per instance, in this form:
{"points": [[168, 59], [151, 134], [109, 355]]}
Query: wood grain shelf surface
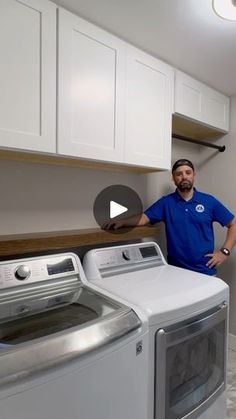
{"points": [[36, 242], [194, 129]]}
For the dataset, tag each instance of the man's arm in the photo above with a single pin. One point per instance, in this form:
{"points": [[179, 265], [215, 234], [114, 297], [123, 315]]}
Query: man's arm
{"points": [[217, 258], [231, 235], [134, 221]]}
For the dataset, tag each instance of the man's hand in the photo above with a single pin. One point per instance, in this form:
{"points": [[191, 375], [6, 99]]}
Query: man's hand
{"points": [[113, 225], [133, 221], [216, 259]]}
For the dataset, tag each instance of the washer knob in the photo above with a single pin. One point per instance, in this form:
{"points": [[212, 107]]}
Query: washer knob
{"points": [[125, 255], [22, 272]]}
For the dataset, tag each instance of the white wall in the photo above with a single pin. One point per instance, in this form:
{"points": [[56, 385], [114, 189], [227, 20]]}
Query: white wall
{"points": [[38, 198]]}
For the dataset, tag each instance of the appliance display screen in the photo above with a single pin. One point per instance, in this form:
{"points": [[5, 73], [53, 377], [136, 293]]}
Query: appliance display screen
{"points": [[148, 252], [64, 266]]}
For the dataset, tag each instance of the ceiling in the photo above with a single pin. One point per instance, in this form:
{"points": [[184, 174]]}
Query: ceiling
{"points": [[185, 33]]}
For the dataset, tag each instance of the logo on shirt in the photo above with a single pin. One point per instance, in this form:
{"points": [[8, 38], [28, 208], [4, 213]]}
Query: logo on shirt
{"points": [[200, 208]]}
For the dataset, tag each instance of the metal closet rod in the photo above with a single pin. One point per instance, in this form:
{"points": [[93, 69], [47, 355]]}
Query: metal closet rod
{"points": [[221, 148]]}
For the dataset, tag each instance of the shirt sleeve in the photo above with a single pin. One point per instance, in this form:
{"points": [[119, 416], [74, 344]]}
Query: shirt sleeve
{"points": [[156, 211], [221, 214]]}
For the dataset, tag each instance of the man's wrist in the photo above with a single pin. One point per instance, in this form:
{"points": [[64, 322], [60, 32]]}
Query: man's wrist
{"points": [[225, 251]]}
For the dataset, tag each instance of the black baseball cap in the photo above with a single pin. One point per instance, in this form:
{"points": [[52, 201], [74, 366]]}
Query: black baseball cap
{"points": [[182, 162]]}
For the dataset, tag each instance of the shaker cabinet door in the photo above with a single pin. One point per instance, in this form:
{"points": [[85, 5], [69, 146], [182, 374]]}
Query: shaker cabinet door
{"points": [[91, 91], [28, 75], [149, 106], [216, 109], [198, 101]]}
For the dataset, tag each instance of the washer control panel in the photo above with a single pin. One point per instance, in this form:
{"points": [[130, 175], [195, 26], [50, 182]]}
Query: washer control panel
{"points": [[22, 272], [29, 271]]}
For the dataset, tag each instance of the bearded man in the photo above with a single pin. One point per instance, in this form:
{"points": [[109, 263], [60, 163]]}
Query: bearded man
{"points": [[188, 216]]}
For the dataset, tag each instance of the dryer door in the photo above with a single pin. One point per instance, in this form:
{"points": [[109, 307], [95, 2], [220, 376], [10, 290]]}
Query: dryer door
{"points": [[191, 365]]}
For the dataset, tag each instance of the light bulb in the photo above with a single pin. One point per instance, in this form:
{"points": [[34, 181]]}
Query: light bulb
{"points": [[225, 8]]}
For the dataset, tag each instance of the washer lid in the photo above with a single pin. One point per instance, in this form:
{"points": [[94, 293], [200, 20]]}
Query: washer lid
{"points": [[166, 292], [61, 312], [41, 341]]}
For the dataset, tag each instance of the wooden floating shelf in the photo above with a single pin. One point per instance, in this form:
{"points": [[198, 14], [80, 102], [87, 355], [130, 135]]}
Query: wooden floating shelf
{"points": [[37, 242], [194, 129]]}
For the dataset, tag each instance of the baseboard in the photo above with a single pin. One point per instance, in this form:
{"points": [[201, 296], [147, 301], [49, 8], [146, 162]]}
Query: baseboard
{"points": [[232, 342]]}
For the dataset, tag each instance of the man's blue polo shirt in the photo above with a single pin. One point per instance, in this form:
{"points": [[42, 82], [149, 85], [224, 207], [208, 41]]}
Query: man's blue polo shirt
{"points": [[189, 227]]}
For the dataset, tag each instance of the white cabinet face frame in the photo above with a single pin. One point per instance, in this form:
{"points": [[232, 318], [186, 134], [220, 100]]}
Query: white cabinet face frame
{"points": [[28, 75], [90, 91], [196, 100], [149, 106]]}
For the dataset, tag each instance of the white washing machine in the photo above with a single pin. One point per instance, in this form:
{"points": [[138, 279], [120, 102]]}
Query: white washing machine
{"points": [[66, 350], [187, 316]]}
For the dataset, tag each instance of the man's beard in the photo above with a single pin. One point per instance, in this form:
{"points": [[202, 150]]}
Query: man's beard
{"points": [[185, 186]]}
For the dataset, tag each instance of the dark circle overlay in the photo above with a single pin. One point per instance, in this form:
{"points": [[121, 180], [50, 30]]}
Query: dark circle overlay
{"points": [[122, 195]]}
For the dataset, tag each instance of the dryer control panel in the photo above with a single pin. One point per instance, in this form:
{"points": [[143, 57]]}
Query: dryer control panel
{"points": [[118, 259]]}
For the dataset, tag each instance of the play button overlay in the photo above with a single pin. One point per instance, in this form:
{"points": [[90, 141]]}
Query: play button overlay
{"points": [[116, 209], [115, 203]]}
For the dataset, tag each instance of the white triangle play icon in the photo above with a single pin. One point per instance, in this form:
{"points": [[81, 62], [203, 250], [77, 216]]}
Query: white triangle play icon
{"points": [[116, 209]]}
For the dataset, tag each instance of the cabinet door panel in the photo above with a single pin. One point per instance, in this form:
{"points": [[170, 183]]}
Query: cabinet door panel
{"points": [[28, 74], [188, 96], [149, 110], [91, 94], [216, 110], [195, 100]]}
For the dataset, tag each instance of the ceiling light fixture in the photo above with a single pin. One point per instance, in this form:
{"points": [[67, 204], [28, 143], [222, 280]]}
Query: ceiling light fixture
{"points": [[225, 8]]}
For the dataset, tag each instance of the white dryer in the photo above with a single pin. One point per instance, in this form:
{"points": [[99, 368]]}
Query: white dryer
{"points": [[187, 317]]}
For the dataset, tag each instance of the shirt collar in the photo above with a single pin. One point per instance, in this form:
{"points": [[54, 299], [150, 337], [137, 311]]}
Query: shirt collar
{"points": [[195, 197]]}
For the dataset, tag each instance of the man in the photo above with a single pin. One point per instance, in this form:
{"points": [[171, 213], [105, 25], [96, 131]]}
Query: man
{"points": [[188, 216]]}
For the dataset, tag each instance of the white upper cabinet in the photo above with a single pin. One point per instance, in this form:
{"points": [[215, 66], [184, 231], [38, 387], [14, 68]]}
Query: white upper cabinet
{"points": [[28, 75], [197, 101], [90, 91], [115, 102], [149, 107]]}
